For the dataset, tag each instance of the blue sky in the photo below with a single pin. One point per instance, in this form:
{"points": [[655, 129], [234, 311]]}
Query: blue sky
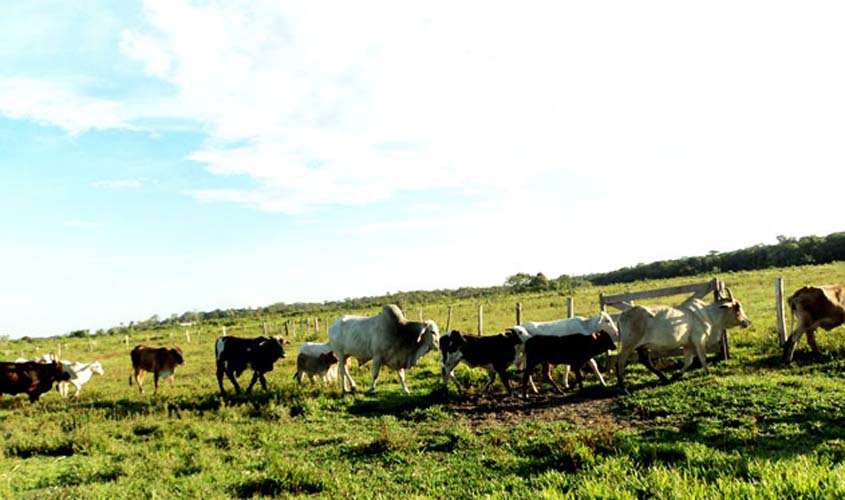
{"points": [[168, 155]]}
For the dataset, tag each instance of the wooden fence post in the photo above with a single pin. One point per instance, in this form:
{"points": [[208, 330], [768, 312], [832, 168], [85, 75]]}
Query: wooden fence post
{"points": [[570, 307], [718, 288], [519, 313], [224, 330], [126, 340], [421, 315], [317, 326], [781, 314], [481, 319], [187, 336], [448, 320]]}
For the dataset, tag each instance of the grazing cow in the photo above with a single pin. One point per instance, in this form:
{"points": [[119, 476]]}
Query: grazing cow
{"points": [[161, 361], [694, 326], [388, 339], [601, 322], [316, 359], [572, 350], [80, 373], [235, 354], [30, 377], [494, 353], [815, 307]]}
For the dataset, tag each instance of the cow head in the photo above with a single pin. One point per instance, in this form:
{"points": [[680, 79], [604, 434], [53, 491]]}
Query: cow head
{"points": [[605, 342], [430, 336], [606, 324], [736, 315], [450, 347], [97, 367], [176, 355], [275, 347], [329, 358], [57, 370]]}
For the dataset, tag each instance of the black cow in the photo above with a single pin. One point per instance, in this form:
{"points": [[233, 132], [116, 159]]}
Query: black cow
{"points": [[30, 377], [494, 353], [234, 355], [572, 350]]}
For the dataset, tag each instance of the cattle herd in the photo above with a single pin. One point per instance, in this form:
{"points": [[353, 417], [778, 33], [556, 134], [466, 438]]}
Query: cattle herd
{"points": [[389, 339]]}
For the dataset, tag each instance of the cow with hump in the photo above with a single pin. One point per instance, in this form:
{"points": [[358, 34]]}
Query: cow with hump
{"points": [[234, 355], [494, 353], [815, 307], [30, 378], [161, 361], [387, 338], [694, 326]]}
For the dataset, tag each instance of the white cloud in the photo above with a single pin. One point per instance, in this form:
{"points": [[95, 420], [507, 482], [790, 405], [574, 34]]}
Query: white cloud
{"points": [[335, 104], [58, 103]]}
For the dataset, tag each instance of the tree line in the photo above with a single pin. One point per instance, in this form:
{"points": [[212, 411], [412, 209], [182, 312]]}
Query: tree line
{"points": [[788, 251]]}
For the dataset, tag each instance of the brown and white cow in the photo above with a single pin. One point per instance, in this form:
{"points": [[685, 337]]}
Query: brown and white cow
{"points": [[161, 361], [815, 307], [235, 354], [31, 378]]}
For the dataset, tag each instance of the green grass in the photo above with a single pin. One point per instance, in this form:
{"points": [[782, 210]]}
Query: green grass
{"points": [[752, 429]]}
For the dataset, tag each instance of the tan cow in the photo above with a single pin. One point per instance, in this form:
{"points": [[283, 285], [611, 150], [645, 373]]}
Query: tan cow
{"points": [[815, 307], [161, 361], [694, 326]]}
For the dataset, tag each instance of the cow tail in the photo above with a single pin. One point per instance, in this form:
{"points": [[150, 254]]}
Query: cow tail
{"points": [[130, 380]]}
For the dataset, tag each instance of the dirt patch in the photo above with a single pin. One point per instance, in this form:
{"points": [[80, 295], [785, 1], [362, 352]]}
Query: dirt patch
{"points": [[590, 409]]}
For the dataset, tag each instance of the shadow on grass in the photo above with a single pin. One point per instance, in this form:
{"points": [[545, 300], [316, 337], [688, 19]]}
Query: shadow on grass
{"points": [[398, 404]]}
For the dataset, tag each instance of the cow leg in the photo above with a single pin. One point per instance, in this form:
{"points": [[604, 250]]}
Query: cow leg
{"points": [[376, 368], [401, 372], [579, 378], [231, 376], [621, 360], [78, 389], [645, 358], [503, 374], [344, 374], [811, 339], [566, 370], [220, 371], [792, 341], [155, 382], [595, 367], [263, 381], [449, 374], [491, 377], [255, 377], [139, 379], [526, 378], [547, 376], [689, 358]]}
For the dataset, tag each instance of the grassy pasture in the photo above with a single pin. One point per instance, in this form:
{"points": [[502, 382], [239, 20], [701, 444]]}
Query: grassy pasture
{"points": [[752, 429]]}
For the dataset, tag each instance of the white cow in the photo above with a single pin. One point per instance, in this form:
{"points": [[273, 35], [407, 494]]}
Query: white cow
{"points": [[694, 326], [388, 339], [80, 373], [601, 322]]}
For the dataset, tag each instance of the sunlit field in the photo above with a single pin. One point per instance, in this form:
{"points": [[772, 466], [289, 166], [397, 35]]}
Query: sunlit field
{"points": [[751, 429]]}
